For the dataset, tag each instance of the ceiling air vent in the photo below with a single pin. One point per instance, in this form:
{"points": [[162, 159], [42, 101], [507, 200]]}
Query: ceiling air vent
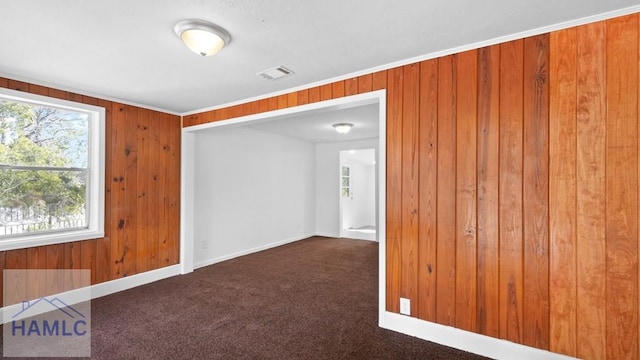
{"points": [[275, 73]]}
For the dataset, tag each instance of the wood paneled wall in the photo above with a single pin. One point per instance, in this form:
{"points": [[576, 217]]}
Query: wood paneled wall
{"points": [[142, 199], [512, 187], [594, 190]]}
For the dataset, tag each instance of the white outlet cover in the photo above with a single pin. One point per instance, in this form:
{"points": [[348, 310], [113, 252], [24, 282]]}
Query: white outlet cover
{"points": [[405, 306]]}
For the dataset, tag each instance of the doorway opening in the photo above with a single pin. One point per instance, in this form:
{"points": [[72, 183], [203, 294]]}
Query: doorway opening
{"points": [[358, 194], [195, 207]]}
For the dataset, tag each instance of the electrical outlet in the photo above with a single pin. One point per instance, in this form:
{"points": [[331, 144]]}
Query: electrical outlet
{"points": [[405, 306], [204, 245]]}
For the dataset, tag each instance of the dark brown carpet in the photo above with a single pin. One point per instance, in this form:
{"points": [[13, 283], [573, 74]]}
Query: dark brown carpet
{"points": [[312, 299]]}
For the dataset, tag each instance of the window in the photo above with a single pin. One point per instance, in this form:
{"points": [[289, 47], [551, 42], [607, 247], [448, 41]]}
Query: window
{"points": [[345, 183], [51, 171]]}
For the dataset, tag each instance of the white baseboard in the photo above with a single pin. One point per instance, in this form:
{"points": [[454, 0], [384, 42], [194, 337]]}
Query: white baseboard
{"points": [[464, 340], [106, 288], [331, 235], [129, 282], [358, 236], [249, 251]]}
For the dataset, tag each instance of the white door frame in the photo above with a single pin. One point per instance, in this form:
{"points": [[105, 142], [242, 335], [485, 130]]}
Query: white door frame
{"points": [[187, 172]]}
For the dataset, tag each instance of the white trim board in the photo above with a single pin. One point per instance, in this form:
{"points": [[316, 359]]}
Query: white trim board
{"points": [[113, 286], [249, 251], [464, 340]]}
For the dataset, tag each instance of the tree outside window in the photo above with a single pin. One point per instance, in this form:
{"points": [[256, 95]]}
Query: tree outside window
{"points": [[44, 168]]}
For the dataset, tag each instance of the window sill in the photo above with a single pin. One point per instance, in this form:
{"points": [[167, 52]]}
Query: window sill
{"points": [[27, 241]]}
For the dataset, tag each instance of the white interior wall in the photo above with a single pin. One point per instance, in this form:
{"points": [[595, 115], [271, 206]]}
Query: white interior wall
{"points": [[327, 171], [253, 190]]}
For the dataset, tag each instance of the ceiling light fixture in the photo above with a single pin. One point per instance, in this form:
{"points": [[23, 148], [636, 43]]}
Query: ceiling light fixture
{"points": [[203, 38], [343, 128]]}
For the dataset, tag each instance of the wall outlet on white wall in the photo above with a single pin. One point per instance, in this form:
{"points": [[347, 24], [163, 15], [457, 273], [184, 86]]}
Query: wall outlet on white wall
{"points": [[405, 306]]}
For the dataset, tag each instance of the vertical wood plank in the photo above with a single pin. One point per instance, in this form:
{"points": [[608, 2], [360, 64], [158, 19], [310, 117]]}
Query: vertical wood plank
{"points": [[88, 251], [130, 189], [510, 191], [272, 101], [590, 191], [292, 100], [118, 167], [142, 191], [255, 106], [351, 86], [326, 92], [365, 83], [488, 175], [622, 188], [303, 97], [466, 192], [394, 189], [428, 192], [16, 259], [562, 191], [283, 102], [164, 232], [314, 95], [55, 260], [174, 184], [72, 260], [536, 192], [337, 89], [263, 104], [446, 199], [36, 258], [379, 80], [153, 218], [410, 177], [102, 267], [17, 288]]}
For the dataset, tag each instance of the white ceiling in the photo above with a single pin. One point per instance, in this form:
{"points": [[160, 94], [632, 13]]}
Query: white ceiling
{"points": [[316, 126], [126, 49]]}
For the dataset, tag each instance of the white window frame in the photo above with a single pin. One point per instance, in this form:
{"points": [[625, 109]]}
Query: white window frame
{"points": [[95, 184]]}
